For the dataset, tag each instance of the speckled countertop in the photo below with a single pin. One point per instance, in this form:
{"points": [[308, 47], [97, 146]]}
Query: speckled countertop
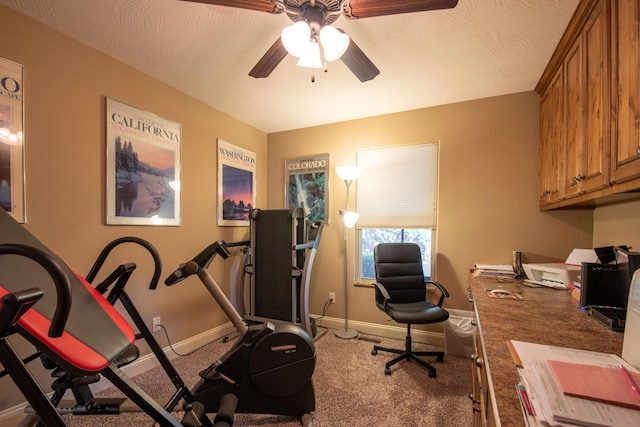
{"points": [[546, 316]]}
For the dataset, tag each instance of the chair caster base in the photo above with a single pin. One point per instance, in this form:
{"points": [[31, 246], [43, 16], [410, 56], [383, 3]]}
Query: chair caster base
{"points": [[440, 359], [387, 371], [374, 352]]}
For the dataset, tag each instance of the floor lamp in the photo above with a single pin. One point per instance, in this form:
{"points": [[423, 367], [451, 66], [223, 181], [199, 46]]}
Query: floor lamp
{"points": [[348, 174]]}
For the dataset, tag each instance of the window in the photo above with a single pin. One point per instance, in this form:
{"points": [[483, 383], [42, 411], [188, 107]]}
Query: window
{"points": [[370, 237], [396, 199]]}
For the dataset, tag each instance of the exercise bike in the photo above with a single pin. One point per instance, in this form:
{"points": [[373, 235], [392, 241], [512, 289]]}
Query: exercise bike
{"points": [[269, 368]]}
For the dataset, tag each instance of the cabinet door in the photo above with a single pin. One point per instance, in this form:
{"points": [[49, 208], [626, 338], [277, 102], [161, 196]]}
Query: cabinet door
{"points": [[625, 153], [574, 100], [551, 139], [587, 117]]}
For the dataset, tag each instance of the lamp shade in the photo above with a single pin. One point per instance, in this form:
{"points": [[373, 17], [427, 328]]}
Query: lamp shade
{"points": [[348, 172], [334, 42], [350, 218], [296, 37], [311, 56]]}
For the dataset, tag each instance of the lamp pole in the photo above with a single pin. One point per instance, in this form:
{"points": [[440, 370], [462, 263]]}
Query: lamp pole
{"points": [[348, 174]]}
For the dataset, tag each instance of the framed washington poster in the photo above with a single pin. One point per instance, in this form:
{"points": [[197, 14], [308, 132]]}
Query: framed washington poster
{"points": [[11, 139], [236, 184], [307, 186], [143, 167]]}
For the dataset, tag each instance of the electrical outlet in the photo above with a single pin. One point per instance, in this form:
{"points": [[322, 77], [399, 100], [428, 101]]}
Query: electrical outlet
{"points": [[156, 324], [332, 297]]}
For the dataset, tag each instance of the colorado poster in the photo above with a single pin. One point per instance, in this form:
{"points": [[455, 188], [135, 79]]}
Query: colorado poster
{"points": [[236, 184], [307, 186], [143, 167]]}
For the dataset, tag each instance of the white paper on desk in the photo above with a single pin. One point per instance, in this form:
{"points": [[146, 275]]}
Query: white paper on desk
{"points": [[551, 405], [544, 416], [578, 256], [571, 409]]}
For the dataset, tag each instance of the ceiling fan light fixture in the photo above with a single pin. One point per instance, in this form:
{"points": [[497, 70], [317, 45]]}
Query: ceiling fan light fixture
{"points": [[311, 56], [334, 42], [295, 38]]}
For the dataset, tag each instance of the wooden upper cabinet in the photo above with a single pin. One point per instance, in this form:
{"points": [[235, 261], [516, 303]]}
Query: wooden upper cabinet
{"points": [[625, 134], [587, 77], [551, 131]]}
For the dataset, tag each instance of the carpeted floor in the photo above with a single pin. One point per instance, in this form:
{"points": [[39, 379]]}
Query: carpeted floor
{"points": [[350, 384]]}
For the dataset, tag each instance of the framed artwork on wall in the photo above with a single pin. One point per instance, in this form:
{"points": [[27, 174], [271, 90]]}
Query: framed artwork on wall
{"points": [[12, 190], [307, 185], [143, 167], [236, 184]]}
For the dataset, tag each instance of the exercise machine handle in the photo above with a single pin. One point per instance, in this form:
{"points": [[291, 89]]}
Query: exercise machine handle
{"points": [[202, 260], [157, 262], [60, 279]]}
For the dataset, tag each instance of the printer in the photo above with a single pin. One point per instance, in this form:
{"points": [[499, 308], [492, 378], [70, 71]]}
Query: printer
{"points": [[559, 275], [553, 275]]}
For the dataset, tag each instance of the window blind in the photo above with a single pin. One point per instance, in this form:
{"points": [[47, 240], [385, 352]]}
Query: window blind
{"points": [[398, 187]]}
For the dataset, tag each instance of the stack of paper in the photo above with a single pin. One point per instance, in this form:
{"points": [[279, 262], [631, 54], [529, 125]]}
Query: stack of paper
{"points": [[549, 403], [483, 270]]}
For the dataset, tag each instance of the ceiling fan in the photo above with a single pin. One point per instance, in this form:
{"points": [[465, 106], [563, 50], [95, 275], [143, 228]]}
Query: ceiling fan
{"points": [[319, 14]]}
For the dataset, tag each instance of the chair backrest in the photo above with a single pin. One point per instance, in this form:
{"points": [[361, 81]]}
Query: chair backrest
{"points": [[399, 269]]}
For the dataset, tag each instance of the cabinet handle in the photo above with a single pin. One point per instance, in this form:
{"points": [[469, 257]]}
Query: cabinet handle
{"points": [[578, 178], [473, 322], [479, 362], [475, 402], [638, 150]]}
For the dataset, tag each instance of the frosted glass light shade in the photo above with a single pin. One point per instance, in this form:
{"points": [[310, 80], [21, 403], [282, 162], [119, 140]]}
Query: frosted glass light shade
{"points": [[311, 56], [334, 43], [348, 172], [295, 38], [350, 218]]}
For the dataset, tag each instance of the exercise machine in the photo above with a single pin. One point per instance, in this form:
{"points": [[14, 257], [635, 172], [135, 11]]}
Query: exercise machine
{"points": [[270, 366], [278, 260], [67, 321]]}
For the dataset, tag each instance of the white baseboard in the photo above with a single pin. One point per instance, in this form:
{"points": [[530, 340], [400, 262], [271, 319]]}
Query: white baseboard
{"points": [[386, 331], [13, 416]]}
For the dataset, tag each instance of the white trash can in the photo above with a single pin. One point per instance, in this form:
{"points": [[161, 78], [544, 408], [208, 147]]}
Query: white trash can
{"points": [[458, 333]]}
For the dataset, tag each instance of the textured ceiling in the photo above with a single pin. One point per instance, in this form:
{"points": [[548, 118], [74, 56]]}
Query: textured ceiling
{"points": [[481, 48]]}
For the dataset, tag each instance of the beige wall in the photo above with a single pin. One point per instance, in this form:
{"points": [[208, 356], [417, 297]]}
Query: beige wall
{"points": [[487, 191], [617, 225], [65, 88]]}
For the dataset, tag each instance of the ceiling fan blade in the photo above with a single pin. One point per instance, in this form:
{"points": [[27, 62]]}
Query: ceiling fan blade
{"points": [[269, 60], [359, 64], [259, 5], [358, 9]]}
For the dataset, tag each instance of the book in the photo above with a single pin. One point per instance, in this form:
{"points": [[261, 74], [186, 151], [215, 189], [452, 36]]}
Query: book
{"points": [[616, 386]]}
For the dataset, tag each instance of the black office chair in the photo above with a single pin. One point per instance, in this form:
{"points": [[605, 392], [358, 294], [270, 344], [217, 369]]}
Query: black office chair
{"points": [[401, 292]]}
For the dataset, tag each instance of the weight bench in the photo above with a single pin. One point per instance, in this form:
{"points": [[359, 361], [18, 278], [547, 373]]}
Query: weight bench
{"points": [[65, 319]]}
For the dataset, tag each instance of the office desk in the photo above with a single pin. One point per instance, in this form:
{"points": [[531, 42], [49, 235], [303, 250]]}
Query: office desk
{"points": [[546, 316]]}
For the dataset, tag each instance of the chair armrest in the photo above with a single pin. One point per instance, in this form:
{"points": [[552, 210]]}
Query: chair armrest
{"points": [[384, 293], [443, 291]]}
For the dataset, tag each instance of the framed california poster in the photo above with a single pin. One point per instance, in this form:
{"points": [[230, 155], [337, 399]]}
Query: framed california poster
{"points": [[307, 185], [236, 184], [12, 139], [143, 167]]}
